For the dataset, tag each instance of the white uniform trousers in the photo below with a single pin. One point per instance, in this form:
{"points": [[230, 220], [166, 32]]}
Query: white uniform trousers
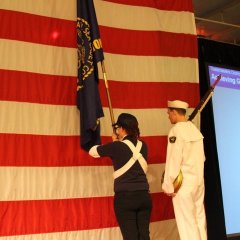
{"points": [[190, 212]]}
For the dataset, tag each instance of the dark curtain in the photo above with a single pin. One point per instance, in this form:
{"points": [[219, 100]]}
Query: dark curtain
{"points": [[226, 54]]}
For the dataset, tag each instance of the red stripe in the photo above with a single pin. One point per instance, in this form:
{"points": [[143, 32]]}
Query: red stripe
{"points": [[149, 94], [148, 43], [171, 5], [38, 29], [61, 90], [59, 32], [32, 150], [37, 88], [44, 216]]}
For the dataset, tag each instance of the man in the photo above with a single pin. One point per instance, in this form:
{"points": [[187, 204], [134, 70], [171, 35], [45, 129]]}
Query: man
{"points": [[132, 201], [185, 153]]}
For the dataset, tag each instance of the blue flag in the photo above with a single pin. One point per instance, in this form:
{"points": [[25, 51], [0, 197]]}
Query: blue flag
{"points": [[90, 52]]}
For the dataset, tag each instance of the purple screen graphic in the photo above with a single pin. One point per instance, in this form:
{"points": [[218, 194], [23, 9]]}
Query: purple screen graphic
{"points": [[230, 78]]}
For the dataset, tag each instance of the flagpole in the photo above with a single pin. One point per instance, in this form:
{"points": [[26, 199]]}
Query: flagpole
{"points": [[107, 90]]}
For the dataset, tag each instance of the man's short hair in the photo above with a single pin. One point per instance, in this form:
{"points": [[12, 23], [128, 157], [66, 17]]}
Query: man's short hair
{"points": [[180, 111]]}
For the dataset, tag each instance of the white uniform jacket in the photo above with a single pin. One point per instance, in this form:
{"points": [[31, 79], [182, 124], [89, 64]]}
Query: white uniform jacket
{"points": [[185, 152]]}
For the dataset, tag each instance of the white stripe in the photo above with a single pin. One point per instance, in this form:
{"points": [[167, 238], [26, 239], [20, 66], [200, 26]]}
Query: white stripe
{"points": [[38, 58], [164, 230], [54, 8], [152, 122], [39, 183], [95, 234], [143, 18], [150, 68], [158, 231], [43, 119]]}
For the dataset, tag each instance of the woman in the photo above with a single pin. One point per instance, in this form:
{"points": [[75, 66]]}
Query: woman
{"points": [[132, 201]]}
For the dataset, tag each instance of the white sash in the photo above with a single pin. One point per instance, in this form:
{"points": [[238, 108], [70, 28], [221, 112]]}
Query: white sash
{"points": [[137, 156]]}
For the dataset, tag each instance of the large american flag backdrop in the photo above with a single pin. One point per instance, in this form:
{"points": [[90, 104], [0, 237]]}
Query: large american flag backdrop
{"points": [[49, 188]]}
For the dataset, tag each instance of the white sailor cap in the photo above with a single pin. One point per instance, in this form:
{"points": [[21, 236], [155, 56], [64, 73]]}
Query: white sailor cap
{"points": [[177, 104]]}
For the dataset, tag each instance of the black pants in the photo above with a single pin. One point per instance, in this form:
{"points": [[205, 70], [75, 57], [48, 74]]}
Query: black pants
{"points": [[133, 211]]}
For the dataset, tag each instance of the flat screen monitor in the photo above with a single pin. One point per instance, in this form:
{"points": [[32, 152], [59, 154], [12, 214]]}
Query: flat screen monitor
{"points": [[226, 111]]}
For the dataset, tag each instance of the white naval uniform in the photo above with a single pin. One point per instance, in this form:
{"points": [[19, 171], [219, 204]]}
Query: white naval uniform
{"points": [[185, 152]]}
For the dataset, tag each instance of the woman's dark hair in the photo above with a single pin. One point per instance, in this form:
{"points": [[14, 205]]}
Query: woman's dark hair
{"points": [[129, 123], [133, 131]]}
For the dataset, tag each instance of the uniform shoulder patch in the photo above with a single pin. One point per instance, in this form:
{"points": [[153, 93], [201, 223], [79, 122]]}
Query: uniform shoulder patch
{"points": [[172, 139]]}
